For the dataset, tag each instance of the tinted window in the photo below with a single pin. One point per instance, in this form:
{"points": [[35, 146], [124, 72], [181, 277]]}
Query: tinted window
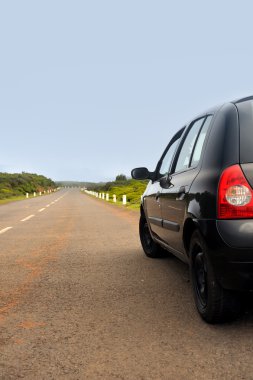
{"points": [[200, 142], [245, 110], [188, 145]]}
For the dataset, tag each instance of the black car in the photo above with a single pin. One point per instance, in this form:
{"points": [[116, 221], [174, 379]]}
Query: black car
{"points": [[198, 205]]}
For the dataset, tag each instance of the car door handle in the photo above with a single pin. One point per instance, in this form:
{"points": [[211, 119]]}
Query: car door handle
{"points": [[181, 193], [157, 196]]}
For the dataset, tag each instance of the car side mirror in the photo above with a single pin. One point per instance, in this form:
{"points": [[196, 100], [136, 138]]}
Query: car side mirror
{"points": [[165, 182], [141, 173]]}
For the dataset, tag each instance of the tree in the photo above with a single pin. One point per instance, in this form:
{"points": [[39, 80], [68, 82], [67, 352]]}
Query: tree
{"points": [[121, 177]]}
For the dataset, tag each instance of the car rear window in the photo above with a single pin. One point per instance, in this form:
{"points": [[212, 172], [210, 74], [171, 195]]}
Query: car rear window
{"points": [[245, 110]]}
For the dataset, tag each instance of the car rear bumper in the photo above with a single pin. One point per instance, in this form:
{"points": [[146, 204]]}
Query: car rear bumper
{"points": [[230, 245], [236, 233]]}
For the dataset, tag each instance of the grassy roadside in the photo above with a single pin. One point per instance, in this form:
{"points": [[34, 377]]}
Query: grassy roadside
{"points": [[130, 206], [20, 198], [131, 188]]}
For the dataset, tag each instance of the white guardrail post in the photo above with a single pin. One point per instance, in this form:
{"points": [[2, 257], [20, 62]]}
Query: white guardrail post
{"points": [[35, 194], [106, 196]]}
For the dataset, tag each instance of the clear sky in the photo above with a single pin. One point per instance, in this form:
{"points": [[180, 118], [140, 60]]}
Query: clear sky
{"points": [[91, 89]]}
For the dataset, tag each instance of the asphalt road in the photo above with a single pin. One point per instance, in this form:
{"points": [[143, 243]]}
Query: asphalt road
{"points": [[79, 300]]}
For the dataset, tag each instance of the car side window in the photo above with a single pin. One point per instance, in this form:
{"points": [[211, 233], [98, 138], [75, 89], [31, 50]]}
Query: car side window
{"points": [[167, 159], [184, 157], [164, 168], [200, 142]]}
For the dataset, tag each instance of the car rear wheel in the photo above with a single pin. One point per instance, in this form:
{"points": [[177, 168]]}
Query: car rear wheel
{"points": [[150, 247], [214, 304]]}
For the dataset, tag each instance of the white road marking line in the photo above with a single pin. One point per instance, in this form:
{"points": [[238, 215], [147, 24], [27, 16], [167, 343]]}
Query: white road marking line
{"points": [[47, 205], [42, 209], [27, 218], [5, 229]]}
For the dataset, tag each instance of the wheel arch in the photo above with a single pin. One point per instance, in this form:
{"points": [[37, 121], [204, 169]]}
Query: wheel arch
{"points": [[189, 227], [142, 212]]}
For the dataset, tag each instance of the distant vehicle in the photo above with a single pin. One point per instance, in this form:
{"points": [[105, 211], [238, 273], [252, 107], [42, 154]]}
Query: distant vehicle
{"points": [[198, 205]]}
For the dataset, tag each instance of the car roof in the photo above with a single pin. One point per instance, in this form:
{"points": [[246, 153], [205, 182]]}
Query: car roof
{"points": [[216, 108], [243, 99]]}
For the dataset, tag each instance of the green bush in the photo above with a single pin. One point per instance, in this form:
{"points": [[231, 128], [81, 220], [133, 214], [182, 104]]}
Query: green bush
{"points": [[21, 183]]}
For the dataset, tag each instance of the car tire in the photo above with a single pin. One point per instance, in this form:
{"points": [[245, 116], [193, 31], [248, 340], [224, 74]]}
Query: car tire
{"points": [[214, 304], [150, 247]]}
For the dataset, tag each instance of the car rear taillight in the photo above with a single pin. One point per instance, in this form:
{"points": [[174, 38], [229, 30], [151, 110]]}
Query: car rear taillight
{"points": [[235, 195]]}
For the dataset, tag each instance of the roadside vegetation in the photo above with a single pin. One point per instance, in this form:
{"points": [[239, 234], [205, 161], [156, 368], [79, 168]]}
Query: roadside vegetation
{"points": [[122, 186], [75, 184], [15, 186]]}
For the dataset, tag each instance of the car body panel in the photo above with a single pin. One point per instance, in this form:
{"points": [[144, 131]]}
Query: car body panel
{"points": [[152, 207], [174, 204]]}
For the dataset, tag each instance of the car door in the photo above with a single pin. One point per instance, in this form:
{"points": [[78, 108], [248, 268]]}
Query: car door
{"points": [[152, 195], [185, 168]]}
